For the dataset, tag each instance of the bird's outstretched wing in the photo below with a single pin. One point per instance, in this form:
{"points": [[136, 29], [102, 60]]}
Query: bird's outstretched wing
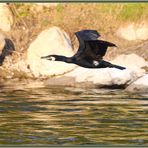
{"points": [[85, 35], [93, 50], [97, 48]]}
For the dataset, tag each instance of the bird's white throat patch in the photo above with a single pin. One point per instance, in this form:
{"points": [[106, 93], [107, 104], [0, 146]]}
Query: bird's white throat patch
{"points": [[51, 58], [96, 63]]}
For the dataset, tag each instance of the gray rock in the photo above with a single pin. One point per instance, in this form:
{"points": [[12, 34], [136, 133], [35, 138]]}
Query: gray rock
{"points": [[134, 32], [6, 17], [68, 81], [2, 42], [50, 41], [131, 61], [140, 85], [105, 77]]}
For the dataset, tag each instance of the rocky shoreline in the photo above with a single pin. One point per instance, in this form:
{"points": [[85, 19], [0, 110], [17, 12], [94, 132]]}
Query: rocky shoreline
{"points": [[56, 41]]}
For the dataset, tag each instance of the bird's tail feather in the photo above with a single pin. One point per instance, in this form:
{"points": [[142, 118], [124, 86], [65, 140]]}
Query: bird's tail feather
{"points": [[107, 64], [118, 67]]}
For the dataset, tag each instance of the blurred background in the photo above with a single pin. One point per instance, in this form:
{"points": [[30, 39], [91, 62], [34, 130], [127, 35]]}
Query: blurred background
{"points": [[125, 24]]}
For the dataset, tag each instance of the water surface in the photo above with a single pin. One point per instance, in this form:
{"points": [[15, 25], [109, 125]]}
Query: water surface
{"points": [[72, 116]]}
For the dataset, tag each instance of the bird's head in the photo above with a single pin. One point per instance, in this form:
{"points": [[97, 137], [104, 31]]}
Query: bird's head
{"points": [[50, 57]]}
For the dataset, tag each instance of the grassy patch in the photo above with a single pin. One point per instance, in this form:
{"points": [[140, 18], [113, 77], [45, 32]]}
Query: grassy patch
{"points": [[59, 8], [45, 22], [133, 12], [22, 10]]}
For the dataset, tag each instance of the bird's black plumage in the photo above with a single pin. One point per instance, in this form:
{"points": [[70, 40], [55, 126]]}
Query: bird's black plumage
{"points": [[7, 50], [90, 52]]}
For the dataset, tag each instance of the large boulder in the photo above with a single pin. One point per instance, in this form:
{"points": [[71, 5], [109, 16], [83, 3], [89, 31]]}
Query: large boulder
{"points": [[132, 62], [140, 84], [50, 41], [134, 32], [103, 77], [6, 17], [2, 42]]}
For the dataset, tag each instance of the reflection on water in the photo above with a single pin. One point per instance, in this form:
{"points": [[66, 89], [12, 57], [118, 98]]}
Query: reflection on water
{"points": [[72, 116]]}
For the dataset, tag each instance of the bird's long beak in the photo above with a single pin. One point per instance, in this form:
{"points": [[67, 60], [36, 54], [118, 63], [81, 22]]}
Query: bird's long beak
{"points": [[49, 57], [46, 57]]}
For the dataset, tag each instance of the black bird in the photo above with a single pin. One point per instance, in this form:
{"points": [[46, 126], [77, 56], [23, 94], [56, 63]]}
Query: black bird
{"points": [[90, 52], [7, 50]]}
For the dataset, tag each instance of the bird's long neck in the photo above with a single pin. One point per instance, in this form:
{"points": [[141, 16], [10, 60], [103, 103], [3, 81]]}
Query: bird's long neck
{"points": [[63, 58]]}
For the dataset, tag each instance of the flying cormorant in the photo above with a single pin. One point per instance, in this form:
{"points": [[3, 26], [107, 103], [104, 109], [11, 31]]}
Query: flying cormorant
{"points": [[90, 52], [6, 50]]}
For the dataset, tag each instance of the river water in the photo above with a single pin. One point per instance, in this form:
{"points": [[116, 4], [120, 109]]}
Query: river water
{"points": [[72, 116]]}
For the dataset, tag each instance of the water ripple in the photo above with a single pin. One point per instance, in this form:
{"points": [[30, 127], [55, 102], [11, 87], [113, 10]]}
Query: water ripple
{"points": [[72, 116]]}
